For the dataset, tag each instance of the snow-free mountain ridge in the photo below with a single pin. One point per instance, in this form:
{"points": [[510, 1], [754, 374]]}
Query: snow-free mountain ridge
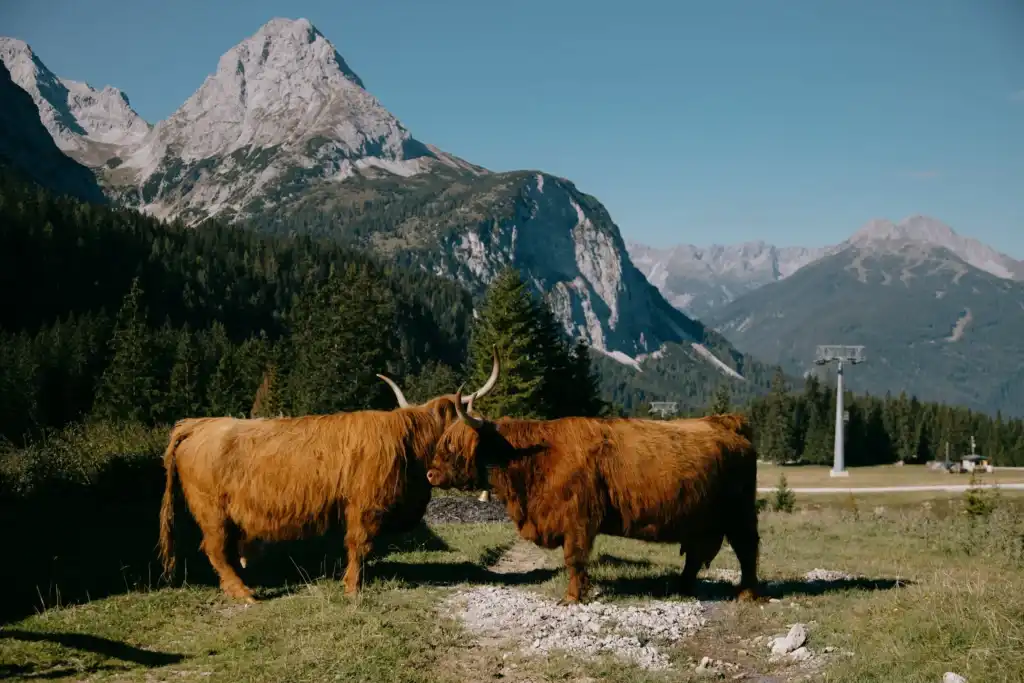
{"points": [[28, 148], [87, 124], [698, 280]]}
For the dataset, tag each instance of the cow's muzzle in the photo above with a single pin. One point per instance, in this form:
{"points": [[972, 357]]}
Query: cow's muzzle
{"points": [[435, 477]]}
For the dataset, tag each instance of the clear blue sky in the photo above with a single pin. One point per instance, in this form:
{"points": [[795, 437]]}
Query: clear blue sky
{"points": [[792, 121]]}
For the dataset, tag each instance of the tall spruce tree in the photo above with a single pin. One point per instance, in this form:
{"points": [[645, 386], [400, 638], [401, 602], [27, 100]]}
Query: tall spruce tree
{"points": [[507, 320], [777, 435], [586, 383], [722, 401], [183, 393], [127, 387], [904, 428]]}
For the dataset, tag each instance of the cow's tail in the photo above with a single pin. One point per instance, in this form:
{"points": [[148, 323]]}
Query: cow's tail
{"points": [[178, 435]]}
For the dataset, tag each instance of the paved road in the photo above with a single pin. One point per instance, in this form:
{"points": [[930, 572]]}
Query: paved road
{"points": [[951, 488]]}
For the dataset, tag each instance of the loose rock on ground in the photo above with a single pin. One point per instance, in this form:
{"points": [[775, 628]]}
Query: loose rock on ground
{"points": [[539, 625]]}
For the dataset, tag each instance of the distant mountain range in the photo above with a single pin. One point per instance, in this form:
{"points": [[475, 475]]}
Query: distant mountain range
{"points": [[941, 315]]}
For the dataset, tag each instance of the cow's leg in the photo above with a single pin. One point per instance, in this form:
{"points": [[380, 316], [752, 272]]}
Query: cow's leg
{"points": [[691, 568], [215, 545], [700, 551], [361, 526], [577, 551], [745, 542]]}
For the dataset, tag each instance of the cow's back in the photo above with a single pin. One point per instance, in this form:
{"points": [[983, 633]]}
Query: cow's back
{"points": [[666, 483], [281, 477]]}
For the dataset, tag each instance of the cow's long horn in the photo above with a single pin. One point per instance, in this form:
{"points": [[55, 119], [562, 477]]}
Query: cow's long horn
{"points": [[464, 414], [402, 403], [491, 381]]}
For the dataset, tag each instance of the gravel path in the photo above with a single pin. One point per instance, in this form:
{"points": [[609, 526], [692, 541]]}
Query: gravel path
{"points": [[537, 624]]}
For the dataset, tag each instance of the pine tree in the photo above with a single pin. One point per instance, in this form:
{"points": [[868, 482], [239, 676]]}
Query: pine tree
{"points": [[267, 403], [722, 402], [557, 394], [777, 437], [905, 429], [586, 383], [784, 499], [817, 442], [183, 393], [507, 320], [225, 393], [128, 388]]}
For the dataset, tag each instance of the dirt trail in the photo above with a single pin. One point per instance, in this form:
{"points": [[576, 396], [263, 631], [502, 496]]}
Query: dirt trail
{"points": [[522, 557]]}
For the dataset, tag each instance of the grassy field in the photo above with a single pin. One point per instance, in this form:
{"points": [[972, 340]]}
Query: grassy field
{"points": [[937, 590], [881, 475]]}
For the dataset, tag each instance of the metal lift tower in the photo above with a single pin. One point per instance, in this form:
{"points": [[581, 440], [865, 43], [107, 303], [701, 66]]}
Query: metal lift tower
{"points": [[839, 354]]}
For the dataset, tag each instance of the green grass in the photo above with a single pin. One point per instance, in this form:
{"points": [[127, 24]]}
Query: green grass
{"points": [[961, 610]]}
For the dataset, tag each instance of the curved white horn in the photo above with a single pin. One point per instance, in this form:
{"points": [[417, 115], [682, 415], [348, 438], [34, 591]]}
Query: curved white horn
{"points": [[491, 381], [464, 414], [402, 403]]}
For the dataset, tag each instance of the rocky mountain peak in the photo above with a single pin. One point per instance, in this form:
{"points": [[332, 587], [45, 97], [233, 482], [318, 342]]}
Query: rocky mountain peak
{"points": [[284, 86], [930, 233], [84, 122]]}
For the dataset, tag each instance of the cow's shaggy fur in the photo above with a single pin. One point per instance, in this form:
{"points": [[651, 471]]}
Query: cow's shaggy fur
{"points": [[286, 478], [565, 481]]}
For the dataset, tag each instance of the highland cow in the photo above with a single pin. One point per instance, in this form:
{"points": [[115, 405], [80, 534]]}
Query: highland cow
{"points": [[276, 479], [565, 481]]}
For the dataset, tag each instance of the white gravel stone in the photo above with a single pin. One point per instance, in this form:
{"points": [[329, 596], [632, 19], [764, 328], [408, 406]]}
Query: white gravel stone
{"points": [[540, 625], [827, 575]]}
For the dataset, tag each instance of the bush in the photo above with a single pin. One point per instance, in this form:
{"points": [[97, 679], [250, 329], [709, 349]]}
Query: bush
{"points": [[785, 499], [979, 502]]}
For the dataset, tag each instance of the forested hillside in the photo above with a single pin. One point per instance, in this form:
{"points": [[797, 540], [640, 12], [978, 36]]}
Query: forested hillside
{"points": [[210, 311]]}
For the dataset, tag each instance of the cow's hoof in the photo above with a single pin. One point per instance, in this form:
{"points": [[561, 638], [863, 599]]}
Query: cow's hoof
{"points": [[748, 595], [242, 595]]}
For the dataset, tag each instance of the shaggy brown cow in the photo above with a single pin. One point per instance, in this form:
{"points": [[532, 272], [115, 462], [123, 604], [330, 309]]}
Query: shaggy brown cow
{"points": [[565, 481], [284, 478]]}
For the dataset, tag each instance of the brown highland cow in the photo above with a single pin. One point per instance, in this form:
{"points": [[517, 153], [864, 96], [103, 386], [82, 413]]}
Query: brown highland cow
{"points": [[276, 479], [565, 481]]}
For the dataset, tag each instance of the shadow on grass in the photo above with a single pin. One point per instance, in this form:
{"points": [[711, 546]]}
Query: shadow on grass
{"points": [[29, 672], [667, 585], [438, 574], [97, 645]]}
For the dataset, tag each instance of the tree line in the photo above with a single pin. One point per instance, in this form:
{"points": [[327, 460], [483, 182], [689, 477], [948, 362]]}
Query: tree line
{"points": [[800, 426]]}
